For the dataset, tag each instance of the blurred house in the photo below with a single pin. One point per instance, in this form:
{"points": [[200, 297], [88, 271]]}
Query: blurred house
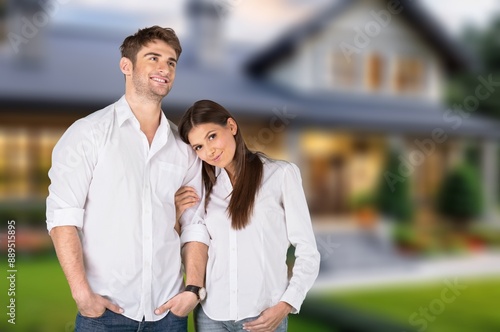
{"points": [[333, 95], [371, 78]]}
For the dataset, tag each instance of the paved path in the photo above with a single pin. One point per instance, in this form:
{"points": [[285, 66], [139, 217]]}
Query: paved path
{"points": [[482, 264], [353, 258]]}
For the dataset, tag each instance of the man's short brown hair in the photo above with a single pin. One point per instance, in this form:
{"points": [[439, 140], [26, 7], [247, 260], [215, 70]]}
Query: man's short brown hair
{"points": [[132, 44]]}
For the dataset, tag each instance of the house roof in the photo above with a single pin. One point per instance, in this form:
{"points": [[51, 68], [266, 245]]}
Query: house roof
{"points": [[82, 71], [455, 56], [387, 115]]}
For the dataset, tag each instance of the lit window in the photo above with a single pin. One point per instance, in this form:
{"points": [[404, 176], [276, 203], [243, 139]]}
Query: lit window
{"points": [[374, 72], [344, 70], [409, 75]]}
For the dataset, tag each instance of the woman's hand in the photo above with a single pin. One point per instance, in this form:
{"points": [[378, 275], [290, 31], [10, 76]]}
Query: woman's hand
{"points": [[269, 319], [185, 198]]}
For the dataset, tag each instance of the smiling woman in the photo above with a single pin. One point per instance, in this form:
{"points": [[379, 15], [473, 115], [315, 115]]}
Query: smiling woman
{"points": [[255, 209]]}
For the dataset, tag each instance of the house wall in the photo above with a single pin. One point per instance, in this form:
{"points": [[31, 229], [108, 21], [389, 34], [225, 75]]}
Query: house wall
{"points": [[339, 168]]}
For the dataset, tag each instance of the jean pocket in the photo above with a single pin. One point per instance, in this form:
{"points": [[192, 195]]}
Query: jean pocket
{"points": [[97, 317], [177, 317]]}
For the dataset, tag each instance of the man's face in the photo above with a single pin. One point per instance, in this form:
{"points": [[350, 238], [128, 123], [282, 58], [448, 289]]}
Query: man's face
{"points": [[154, 71]]}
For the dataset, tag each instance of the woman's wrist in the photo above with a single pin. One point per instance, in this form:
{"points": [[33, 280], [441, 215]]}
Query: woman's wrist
{"points": [[285, 307]]}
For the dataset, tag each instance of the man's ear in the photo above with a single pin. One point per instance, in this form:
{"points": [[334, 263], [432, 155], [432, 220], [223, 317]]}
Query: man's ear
{"points": [[126, 66]]}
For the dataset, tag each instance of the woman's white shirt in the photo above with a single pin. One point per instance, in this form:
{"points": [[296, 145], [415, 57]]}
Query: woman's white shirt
{"points": [[246, 269]]}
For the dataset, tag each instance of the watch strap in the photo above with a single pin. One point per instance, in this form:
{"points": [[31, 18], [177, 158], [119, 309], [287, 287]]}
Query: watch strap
{"points": [[194, 289]]}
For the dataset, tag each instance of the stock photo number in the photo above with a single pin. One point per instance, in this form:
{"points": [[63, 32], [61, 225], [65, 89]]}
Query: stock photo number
{"points": [[11, 271]]}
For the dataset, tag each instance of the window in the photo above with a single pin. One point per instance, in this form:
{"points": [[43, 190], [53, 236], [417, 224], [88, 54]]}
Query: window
{"points": [[25, 159], [374, 72], [409, 75], [344, 70]]}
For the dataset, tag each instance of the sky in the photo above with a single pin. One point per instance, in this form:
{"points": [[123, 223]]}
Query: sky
{"points": [[455, 13], [265, 19]]}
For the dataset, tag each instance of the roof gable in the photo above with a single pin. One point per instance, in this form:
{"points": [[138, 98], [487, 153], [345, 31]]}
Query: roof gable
{"points": [[454, 55]]}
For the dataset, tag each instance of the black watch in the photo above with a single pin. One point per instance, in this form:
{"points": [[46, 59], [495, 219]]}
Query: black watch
{"points": [[200, 292]]}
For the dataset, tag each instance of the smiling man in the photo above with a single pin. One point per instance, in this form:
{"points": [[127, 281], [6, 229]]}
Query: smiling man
{"points": [[111, 211]]}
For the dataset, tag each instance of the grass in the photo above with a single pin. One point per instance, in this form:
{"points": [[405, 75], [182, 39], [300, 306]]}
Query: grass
{"points": [[44, 302], [43, 299], [430, 307]]}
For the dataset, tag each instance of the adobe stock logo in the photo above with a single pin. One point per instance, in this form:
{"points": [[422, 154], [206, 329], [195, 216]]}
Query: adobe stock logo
{"points": [[426, 315], [266, 135], [30, 26], [363, 37]]}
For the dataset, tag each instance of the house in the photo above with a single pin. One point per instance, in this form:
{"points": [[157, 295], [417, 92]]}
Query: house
{"points": [[371, 77], [334, 95]]}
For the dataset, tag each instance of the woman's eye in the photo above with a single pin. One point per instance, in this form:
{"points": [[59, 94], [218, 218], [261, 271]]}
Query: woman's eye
{"points": [[197, 148], [211, 137]]}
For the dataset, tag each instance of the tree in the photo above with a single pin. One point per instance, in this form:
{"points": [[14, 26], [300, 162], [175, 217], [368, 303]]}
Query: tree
{"points": [[393, 197], [459, 198], [485, 46]]}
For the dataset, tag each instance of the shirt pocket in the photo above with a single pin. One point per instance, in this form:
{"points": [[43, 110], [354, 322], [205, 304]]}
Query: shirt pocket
{"points": [[170, 178]]}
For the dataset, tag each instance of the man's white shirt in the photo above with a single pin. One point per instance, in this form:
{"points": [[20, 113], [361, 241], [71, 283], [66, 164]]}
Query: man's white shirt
{"points": [[119, 192]]}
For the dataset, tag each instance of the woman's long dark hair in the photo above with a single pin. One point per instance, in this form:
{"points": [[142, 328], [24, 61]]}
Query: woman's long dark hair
{"points": [[248, 166]]}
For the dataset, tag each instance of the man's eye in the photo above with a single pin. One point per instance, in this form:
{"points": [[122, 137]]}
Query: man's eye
{"points": [[153, 58]]}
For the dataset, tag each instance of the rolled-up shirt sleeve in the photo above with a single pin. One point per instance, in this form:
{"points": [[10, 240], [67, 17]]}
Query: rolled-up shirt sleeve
{"points": [[192, 221], [73, 161], [301, 236]]}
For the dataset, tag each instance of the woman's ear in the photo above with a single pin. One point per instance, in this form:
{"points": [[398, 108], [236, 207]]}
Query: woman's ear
{"points": [[232, 126], [126, 66]]}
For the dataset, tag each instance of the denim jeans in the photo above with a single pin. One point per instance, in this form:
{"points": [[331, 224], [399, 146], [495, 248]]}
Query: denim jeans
{"points": [[205, 324], [110, 321]]}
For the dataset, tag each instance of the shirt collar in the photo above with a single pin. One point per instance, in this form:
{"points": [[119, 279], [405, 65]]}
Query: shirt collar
{"points": [[163, 130], [123, 111], [218, 170]]}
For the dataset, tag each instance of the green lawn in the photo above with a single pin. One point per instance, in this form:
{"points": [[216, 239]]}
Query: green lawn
{"points": [[469, 306], [43, 300], [44, 303]]}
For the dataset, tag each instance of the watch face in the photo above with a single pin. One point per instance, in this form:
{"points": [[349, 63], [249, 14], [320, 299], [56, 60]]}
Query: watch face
{"points": [[202, 293]]}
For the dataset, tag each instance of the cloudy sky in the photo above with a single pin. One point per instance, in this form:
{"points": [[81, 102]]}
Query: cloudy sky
{"points": [[454, 14], [261, 19]]}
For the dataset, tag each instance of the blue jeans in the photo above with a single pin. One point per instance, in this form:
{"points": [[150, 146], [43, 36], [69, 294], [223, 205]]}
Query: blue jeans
{"points": [[205, 324], [110, 321]]}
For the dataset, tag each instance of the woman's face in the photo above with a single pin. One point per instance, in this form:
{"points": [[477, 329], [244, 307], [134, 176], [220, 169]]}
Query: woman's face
{"points": [[215, 144]]}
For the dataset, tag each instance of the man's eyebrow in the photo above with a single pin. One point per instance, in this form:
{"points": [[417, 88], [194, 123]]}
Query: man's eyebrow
{"points": [[152, 53], [159, 55]]}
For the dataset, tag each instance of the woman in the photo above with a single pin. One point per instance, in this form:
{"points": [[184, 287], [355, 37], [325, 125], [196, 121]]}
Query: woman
{"points": [[255, 208]]}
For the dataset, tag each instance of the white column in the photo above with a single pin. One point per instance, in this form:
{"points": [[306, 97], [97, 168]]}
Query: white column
{"points": [[490, 179]]}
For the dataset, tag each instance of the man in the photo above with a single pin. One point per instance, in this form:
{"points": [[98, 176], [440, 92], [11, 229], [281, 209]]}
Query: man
{"points": [[111, 211]]}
